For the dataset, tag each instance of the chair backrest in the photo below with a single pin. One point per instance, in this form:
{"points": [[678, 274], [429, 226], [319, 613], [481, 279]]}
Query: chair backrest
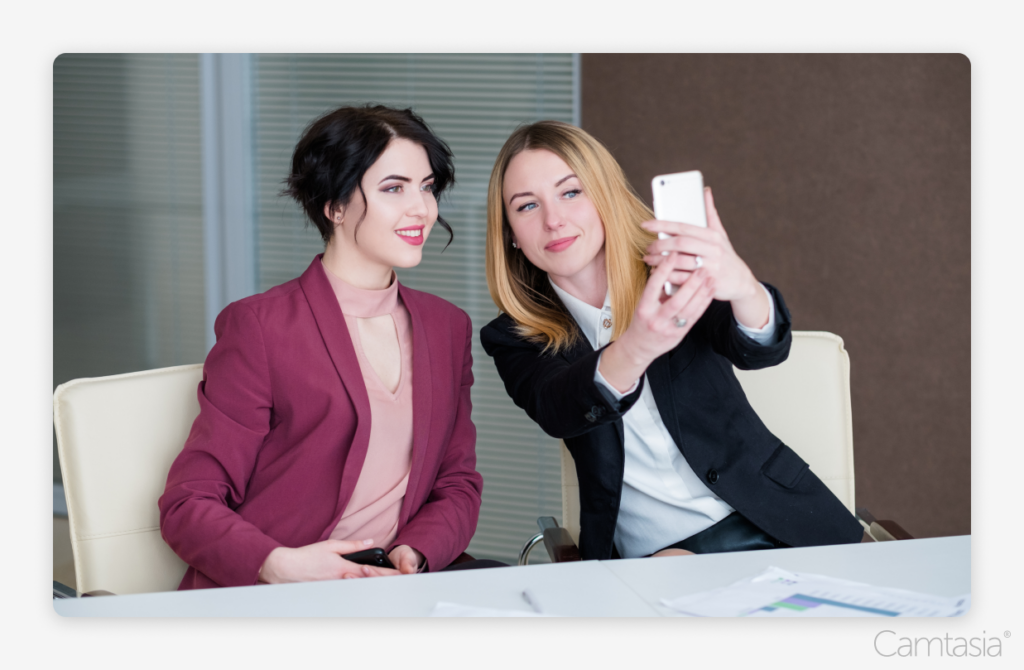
{"points": [[116, 438], [805, 402]]}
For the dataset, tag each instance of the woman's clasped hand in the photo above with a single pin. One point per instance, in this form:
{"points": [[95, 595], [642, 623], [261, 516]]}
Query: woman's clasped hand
{"points": [[324, 560]]}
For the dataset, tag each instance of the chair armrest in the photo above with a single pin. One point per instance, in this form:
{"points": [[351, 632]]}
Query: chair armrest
{"points": [[882, 530], [893, 529], [557, 542], [560, 546], [64, 591]]}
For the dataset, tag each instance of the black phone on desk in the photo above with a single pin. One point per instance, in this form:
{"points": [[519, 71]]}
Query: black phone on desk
{"points": [[375, 556]]}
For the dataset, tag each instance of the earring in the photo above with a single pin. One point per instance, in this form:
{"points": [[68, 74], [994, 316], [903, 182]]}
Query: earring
{"points": [[514, 245]]}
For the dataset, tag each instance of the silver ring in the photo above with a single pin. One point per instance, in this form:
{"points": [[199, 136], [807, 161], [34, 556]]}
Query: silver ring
{"points": [[680, 323], [698, 262]]}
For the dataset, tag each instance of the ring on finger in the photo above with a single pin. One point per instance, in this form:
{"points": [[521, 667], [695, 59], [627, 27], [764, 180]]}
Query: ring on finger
{"points": [[698, 262], [680, 322]]}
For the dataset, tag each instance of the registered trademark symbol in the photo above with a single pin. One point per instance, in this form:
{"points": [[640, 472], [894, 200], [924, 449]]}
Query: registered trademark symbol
{"points": [[1006, 634]]}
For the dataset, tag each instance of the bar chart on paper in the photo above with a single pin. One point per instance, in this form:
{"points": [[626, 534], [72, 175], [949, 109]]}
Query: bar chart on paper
{"points": [[800, 604], [777, 593]]}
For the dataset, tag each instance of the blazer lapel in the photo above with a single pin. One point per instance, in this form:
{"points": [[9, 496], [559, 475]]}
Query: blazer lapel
{"points": [[422, 414], [331, 323]]}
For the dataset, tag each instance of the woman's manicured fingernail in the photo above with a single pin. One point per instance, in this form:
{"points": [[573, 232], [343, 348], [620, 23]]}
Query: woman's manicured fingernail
{"points": [[367, 542]]}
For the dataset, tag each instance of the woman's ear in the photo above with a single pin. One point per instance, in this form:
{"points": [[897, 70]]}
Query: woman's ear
{"points": [[335, 215]]}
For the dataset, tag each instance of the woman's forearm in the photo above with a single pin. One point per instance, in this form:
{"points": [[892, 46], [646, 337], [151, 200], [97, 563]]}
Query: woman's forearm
{"points": [[753, 309], [621, 366]]}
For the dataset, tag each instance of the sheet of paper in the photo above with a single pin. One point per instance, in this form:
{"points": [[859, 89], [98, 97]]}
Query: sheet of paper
{"points": [[443, 609], [778, 593]]}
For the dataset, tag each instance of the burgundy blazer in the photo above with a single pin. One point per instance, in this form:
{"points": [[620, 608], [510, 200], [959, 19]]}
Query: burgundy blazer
{"points": [[284, 425]]}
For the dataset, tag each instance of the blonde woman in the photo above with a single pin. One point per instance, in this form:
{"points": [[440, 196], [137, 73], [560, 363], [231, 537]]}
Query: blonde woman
{"points": [[671, 458]]}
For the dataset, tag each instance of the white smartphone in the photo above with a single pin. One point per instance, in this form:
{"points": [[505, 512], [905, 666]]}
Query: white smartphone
{"points": [[679, 197]]}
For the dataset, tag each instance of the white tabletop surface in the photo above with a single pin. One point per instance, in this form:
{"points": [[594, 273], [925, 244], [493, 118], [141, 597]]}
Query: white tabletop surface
{"points": [[937, 566], [567, 589], [623, 588]]}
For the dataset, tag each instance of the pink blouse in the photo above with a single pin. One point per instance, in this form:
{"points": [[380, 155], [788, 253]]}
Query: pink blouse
{"points": [[373, 510]]}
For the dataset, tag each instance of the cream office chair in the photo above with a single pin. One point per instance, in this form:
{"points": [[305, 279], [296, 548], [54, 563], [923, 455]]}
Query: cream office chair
{"points": [[805, 402], [116, 439]]}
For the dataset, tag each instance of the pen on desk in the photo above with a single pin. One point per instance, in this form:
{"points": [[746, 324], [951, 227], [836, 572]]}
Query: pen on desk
{"points": [[532, 601]]}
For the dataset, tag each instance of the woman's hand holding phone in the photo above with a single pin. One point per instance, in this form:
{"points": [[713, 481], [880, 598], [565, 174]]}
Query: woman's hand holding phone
{"points": [[659, 324], [407, 561], [323, 560], [733, 280], [313, 562]]}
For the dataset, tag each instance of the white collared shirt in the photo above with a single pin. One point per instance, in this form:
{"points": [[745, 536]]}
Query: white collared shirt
{"points": [[663, 500]]}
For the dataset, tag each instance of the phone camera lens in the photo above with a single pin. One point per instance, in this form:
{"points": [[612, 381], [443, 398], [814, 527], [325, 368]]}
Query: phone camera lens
{"points": [[662, 182]]}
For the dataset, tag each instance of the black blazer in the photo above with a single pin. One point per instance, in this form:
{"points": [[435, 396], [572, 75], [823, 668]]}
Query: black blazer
{"points": [[705, 411]]}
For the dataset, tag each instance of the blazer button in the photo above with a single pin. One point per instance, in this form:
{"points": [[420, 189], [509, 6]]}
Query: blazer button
{"points": [[589, 416], [597, 411], [712, 476]]}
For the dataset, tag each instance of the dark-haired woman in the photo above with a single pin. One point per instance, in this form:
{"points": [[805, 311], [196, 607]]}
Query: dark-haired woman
{"points": [[335, 408], [671, 458]]}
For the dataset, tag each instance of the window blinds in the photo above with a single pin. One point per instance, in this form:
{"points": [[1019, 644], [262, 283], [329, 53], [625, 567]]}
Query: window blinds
{"points": [[474, 102], [127, 228]]}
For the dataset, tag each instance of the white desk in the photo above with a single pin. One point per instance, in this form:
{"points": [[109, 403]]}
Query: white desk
{"points": [[624, 588], [937, 566], [567, 589]]}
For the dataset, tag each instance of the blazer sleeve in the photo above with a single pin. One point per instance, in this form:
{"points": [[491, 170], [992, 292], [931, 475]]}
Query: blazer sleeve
{"points": [[442, 528], [729, 341], [562, 397], [207, 481]]}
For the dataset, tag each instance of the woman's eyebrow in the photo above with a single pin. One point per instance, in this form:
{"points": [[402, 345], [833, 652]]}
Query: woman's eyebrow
{"points": [[395, 176], [557, 184], [524, 193], [428, 177]]}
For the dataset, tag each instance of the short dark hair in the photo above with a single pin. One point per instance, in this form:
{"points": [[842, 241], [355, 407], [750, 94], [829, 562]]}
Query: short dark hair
{"points": [[337, 149]]}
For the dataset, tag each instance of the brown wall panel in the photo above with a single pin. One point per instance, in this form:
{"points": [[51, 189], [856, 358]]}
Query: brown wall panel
{"points": [[845, 181]]}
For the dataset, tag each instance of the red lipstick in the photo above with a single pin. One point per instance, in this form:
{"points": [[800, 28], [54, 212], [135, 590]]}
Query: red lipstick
{"points": [[412, 235]]}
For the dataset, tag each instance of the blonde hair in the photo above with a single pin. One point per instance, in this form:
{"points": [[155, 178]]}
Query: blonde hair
{"points": [[522, 290]]}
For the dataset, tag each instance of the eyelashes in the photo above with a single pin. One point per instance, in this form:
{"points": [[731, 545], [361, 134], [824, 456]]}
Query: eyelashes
{"points": [[398, 188], [571, 194]]}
